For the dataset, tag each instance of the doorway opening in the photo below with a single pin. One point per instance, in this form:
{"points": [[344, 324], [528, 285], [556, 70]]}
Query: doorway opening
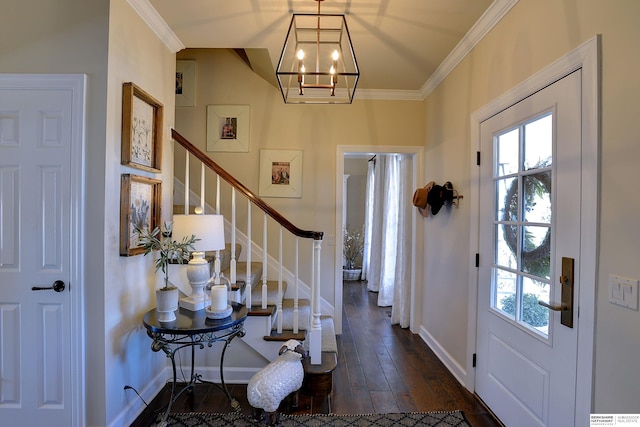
{"points": [[348, 156]]}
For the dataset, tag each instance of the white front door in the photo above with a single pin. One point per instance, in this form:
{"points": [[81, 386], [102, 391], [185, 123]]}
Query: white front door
{"points": [[530, 190], [38, 217]]}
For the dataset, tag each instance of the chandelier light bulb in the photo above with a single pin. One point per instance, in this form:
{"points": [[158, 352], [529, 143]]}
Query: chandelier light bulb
{"points": [[335, 55], [300, 54]]}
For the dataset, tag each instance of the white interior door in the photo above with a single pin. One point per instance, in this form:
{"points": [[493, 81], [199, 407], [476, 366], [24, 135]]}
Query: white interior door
{"points": [[530, 189], [37, 128]]}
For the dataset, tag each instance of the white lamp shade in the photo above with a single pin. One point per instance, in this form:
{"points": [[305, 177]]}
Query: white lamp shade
{"points": [[208, 228]]}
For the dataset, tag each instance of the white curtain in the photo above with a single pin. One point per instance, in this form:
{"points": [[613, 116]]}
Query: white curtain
{"points": [[368, 217], [388, 227]]}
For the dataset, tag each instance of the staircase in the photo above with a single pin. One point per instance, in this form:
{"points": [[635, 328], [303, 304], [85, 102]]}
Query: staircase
{"points": [[282, 304]]}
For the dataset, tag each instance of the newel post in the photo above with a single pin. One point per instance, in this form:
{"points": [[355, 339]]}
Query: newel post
{"points": [[315, 335]]}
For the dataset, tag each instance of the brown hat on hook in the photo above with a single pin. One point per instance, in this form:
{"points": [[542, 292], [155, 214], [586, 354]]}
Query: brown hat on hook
{"points": [[420, 198]]}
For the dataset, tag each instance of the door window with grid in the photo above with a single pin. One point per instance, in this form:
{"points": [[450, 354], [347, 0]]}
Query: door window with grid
{"points": [[523, 222]]}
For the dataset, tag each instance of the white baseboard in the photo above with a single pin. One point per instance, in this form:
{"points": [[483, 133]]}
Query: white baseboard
{"points": [[454, 367], [135, 405], [238, 375]]}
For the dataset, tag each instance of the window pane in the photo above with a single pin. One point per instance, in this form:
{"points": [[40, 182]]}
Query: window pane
{"points": [[505, 256], [538, 143], [507, 190], [533, 314], [508, 147], [504, 292], [535, 255], [537, 197]]}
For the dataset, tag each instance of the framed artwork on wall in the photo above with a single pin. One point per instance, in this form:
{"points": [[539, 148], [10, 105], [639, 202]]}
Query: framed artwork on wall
{"points": [[280, 173], [142, 126], [139, 207], [228, 128], [185, 83]]}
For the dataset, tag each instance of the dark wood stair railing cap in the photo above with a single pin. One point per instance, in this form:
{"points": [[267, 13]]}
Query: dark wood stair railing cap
{"points": [[256, 200]]}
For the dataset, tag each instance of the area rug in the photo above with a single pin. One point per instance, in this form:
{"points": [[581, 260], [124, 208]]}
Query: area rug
{"points": [[407, 419]]}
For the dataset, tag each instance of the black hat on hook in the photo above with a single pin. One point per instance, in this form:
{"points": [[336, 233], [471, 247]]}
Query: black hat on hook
{"points": [[439, 195]]}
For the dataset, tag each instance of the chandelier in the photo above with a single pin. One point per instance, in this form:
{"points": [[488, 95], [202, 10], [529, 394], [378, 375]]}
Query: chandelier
{"points": [[317, 64]]}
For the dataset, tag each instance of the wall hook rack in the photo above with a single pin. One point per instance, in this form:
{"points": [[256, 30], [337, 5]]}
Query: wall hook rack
{"points": [[455, 199]]}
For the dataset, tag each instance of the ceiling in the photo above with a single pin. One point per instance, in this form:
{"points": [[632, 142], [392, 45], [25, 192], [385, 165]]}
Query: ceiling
{"points": [[399, 44]]}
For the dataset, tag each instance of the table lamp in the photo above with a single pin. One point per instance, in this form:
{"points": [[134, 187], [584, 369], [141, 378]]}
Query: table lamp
{"points": [[210, 230]]}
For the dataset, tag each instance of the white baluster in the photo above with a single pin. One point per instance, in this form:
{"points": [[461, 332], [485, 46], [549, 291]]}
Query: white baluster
{"points": [[202, 184], [218, 194], [280, 296], [249, 245], [232, 265], [295, 290], [186, 183], [217, 264], [264, 263]]}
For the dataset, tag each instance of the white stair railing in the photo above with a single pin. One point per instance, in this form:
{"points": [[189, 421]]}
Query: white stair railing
{"points": [[209, 167]]}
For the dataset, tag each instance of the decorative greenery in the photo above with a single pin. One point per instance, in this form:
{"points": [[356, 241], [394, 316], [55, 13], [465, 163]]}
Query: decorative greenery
{"points": [[167, 248], [532, 313], [535, 257], [353, 246]]}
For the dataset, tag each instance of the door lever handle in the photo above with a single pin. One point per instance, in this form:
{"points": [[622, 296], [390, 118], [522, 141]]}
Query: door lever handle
{"points": [[553, 306], [58, 286], [567, 283]]}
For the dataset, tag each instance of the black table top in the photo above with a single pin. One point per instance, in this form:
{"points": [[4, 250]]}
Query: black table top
{"points": [[194, 322]]}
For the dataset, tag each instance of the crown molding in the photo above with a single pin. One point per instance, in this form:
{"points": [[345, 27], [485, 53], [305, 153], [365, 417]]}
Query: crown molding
{"points": [[487, 21], [158, 25], [389, 95]]}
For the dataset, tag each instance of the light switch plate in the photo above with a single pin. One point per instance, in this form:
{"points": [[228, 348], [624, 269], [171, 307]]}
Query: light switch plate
{"points": [[623, 291]]}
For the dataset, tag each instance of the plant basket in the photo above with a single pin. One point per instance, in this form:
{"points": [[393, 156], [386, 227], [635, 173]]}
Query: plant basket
{"points": [[351, 274]]}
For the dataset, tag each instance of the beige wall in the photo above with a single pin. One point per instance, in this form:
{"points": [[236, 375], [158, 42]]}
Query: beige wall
{"points": [[98, 38], [223, 79], [532, 35], [135, 55]]}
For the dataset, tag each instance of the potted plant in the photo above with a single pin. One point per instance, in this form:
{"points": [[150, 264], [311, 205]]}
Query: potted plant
{"points": [[168, 250], [353, 248]]}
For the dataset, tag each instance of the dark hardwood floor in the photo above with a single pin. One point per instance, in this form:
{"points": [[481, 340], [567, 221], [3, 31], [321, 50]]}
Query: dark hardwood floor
{"points": [[381, 368]]}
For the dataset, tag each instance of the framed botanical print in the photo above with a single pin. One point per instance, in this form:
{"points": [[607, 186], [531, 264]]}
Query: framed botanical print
{"points": [[142, 126], [139, 208]]}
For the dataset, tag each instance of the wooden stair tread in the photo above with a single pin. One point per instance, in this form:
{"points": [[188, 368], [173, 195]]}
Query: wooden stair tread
{"points": [[329, 362], [238, 286], [256, 310], [286, 336], [179, 209], [318, 379]]}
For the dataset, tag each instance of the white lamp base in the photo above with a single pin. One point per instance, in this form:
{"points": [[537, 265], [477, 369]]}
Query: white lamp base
{"points": [[198, 274]]}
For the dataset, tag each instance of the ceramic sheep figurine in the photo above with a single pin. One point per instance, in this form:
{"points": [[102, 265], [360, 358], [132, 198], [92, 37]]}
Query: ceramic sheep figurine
{"points": [[270, 385]]}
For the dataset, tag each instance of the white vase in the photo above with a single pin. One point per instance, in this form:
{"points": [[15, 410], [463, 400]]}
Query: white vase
{"points": [[167, 303]]}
